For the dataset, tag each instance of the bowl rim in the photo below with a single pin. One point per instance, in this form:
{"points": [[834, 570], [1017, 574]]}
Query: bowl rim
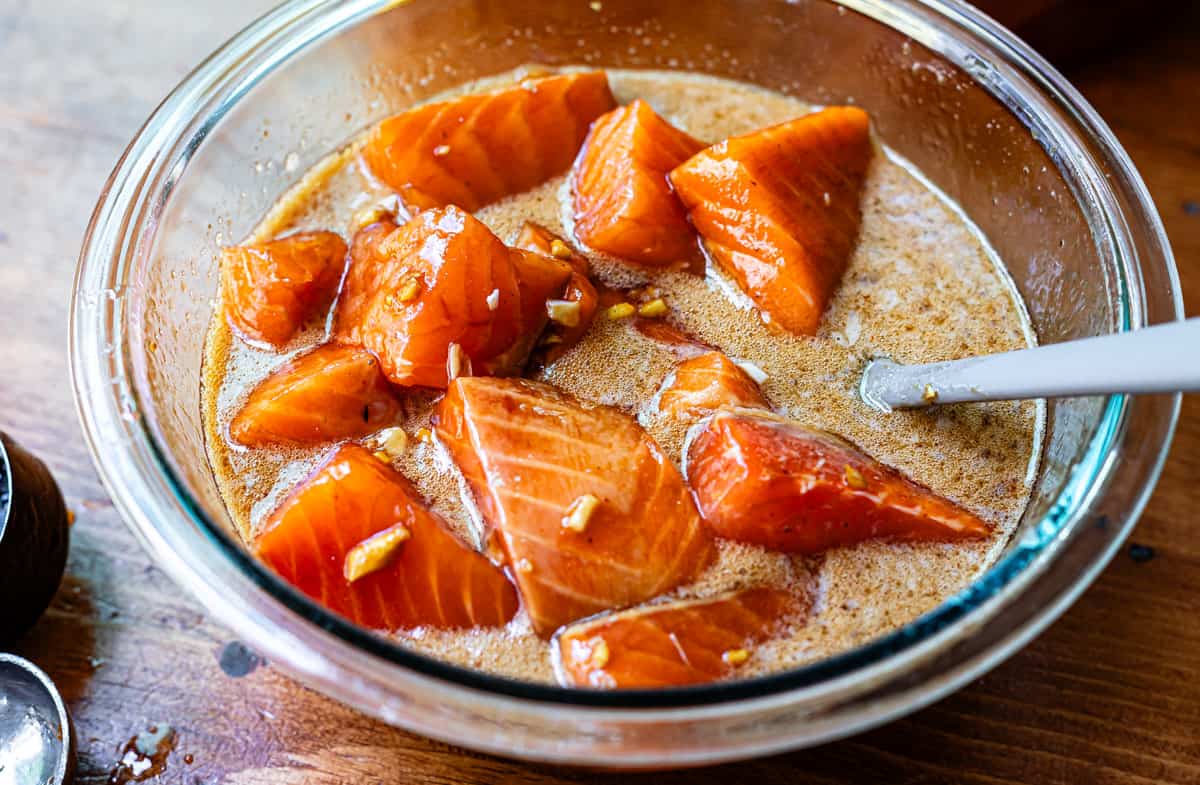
{"points": [[108, 415], [7, 487]]}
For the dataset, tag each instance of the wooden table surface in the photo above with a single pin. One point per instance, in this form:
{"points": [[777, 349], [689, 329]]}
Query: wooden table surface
{"points": [[1110, 694]]}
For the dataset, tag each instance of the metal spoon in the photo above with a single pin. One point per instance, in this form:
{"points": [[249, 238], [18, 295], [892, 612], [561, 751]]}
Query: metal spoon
{"points": [[1163, 358], [37, 745]]}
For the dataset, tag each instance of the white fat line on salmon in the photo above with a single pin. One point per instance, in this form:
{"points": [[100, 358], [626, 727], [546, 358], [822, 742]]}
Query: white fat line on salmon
{"points": [[752, 370], [719, 282], [650, 413], [443, 463]]}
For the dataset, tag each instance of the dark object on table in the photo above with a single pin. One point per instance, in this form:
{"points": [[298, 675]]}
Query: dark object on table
{"points": [[1067, 31], [33, 539], [37, 742], [236, 660], [1141, 553]]}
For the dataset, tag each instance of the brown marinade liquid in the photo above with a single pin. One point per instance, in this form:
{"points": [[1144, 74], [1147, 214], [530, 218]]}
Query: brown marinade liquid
{"points": [[922, 286]]}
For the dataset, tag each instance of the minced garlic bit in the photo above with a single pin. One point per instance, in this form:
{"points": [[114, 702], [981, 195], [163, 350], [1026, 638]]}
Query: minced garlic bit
{"points": [[365, 216], [560, 250], [736, 657], [409, 290], [600, 653], [654, 309], [494, 550], [441, 149], [525, 566], [424, 435], [929, 395], [456, 361], [595, 5], [388, 208], [580, 512], [493, 300], [374, 553], [620, 311], [855, 479], [828, 199], [564, 312], [392, 441]]}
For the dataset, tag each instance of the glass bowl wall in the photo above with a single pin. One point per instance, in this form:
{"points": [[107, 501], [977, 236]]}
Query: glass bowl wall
{"points": [[988, 122]]}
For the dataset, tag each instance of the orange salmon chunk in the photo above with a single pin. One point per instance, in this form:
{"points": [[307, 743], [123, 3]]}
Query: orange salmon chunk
{"points": [[538, 239], [624, 205], [580, 290], [777, 484], [476, 149], [703, 384], [674, 339], [589, 513], [332, 392], [779, 210], [356, 538], [672, 644], [442, 296], [270, 289]]}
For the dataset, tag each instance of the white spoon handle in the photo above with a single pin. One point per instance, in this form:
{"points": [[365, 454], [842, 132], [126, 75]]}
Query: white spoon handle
{"points": [[1163, 358]]}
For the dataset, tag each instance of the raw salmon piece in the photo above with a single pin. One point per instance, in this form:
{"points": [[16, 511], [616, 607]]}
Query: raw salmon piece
{"points": [[369, 268], [270, 289], [538, 239], [624, 205], [580, 288], [777, 484], [779, 210], [332, 392], [431, 578], [672, 644], [682, 344], [704, 384], [444, 279], [587, 510], [477, 149]]}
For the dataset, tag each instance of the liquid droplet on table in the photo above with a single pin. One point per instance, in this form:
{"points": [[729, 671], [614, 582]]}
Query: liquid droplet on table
{"points": [[144, 756]]}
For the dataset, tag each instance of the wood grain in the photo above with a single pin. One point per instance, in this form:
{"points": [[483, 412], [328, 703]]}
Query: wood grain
{"points": [[1110, 694]]}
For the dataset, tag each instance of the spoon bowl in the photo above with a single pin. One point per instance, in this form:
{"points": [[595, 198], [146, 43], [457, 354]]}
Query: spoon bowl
{"points": [[36, 739]]}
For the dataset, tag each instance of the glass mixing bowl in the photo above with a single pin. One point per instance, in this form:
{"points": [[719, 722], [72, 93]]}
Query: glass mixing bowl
{"points": [[989, 121]]}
